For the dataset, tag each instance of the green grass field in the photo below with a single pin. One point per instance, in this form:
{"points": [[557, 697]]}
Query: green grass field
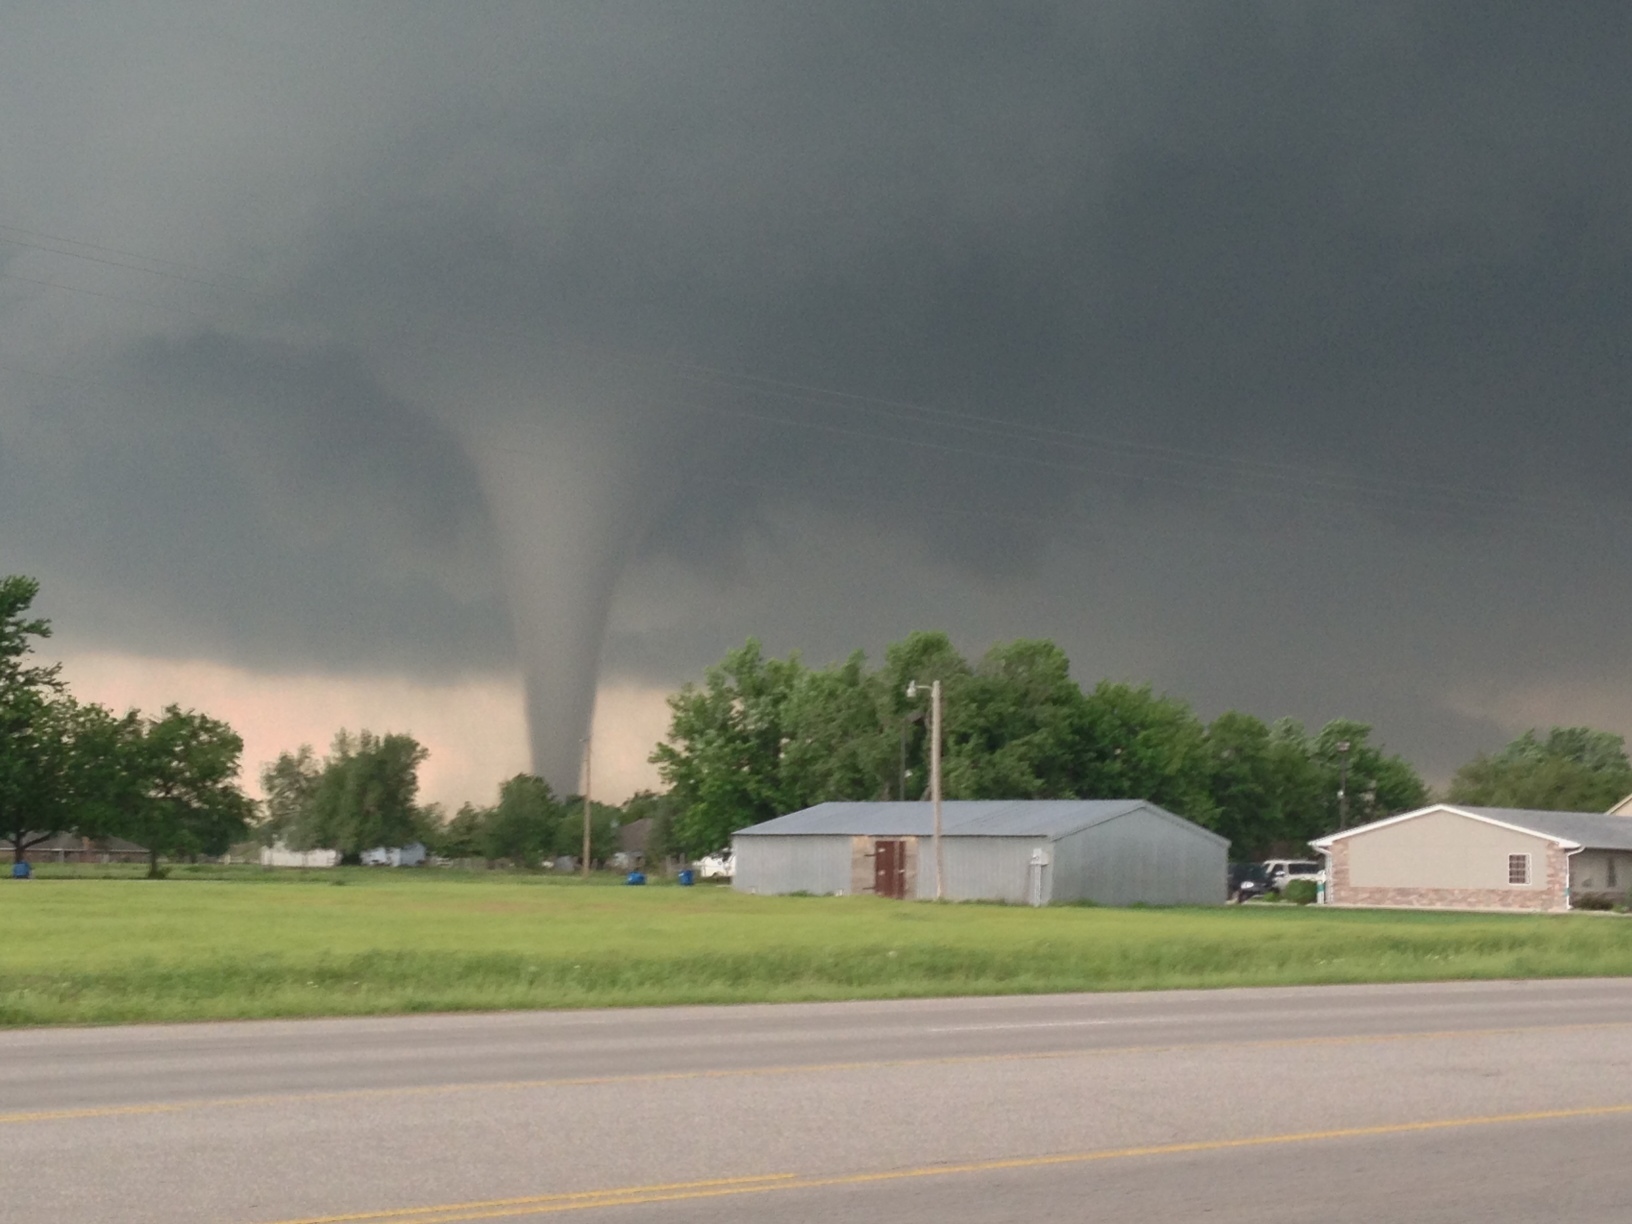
{"points": [[214, 943]]}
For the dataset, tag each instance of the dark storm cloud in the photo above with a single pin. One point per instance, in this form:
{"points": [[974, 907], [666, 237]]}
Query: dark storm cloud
{"points": [[1295, 334], [258, 502]]}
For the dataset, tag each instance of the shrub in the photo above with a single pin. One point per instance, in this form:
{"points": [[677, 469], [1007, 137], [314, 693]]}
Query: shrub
{"points": [[1593, 901], [1301, 892]]}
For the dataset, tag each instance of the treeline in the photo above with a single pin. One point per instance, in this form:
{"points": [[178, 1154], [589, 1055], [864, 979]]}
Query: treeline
{"points": [[169, 783], [365, 794], [762, 736], [1570, 769], [759, 737]]}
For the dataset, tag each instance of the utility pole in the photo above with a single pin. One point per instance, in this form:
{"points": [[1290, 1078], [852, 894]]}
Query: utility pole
{"points": [[588, 744], [935, 784], [935, 777], [1343, 784]]}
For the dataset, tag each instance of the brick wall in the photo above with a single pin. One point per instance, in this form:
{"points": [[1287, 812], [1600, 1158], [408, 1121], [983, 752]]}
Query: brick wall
{"points": [[1553, 894]]}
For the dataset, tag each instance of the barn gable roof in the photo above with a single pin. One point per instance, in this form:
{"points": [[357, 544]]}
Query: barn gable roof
{"points": [[1050, 818], [1571, 830]]}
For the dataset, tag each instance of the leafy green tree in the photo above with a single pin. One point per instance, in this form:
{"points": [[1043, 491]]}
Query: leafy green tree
{"points": [[920, 658], [35, 727], [462, 836], [603, 829], [523, 825], [1246, 799], [181, 793], [1572, 769], [722, 757], [365, 796], [1014, 726], [289, 785], [836, 744], [59, 759], [1135, 744], [1377, 784]]}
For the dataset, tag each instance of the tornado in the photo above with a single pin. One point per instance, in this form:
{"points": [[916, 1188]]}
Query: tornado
{"points": [[571, 473]]}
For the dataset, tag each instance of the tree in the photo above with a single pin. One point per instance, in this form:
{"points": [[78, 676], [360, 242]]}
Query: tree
{"points": [[723, 754], [523, 825], [1574, 769], [1376, 785], [365, 795], [1014, 726], [836, 745], [1247, 802], [180, 785], [57, 756], [1135, 744], [290, 787], [920, 658], [603, 829], [35, 727], [461, 837]]}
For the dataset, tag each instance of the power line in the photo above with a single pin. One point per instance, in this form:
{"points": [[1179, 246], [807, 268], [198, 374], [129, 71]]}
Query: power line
{"points": [[766, 388]]}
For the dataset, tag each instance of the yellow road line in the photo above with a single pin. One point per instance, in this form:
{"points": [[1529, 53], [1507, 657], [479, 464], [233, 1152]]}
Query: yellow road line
{"points": [[23, 1117], [539, 1201], [633, 1196]]}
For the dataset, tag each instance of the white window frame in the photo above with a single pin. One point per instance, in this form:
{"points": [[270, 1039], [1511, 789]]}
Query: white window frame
{"points": [[1522, 862]]}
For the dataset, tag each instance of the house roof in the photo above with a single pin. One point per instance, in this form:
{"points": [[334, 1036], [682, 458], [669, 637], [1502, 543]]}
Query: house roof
{"points": [[73, 841], [1623, 808], [1050, 818], [1572, 830]]}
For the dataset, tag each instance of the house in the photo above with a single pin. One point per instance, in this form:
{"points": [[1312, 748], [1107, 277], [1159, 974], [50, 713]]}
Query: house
{"points": [[1454, 856], [279, 855], [1025, 851], [632, 841], [411, 855]]}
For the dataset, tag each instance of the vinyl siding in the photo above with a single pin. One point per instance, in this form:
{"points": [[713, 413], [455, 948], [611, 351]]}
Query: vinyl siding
{"points": [[1442, 850]]}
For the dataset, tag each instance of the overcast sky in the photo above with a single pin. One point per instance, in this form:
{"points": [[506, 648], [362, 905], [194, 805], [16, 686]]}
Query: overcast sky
{"points": [[357, 360]]}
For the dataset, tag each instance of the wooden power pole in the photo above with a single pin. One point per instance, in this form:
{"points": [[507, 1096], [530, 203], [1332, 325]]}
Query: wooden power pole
{"points": [[588, 745]]}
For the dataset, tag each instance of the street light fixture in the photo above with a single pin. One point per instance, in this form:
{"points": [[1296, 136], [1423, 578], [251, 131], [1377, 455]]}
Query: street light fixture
{"points": [[934, 776]]}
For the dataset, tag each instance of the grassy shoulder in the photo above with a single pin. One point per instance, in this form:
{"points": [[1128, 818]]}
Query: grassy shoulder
{"points": [[217, 944]]}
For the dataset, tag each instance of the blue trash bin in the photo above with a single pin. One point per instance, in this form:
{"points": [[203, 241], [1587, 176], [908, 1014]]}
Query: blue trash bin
{"points": [[636, 877], [686, 877]]}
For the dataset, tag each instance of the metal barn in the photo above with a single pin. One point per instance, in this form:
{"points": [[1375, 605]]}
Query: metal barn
{"points": [[1024, 851]]}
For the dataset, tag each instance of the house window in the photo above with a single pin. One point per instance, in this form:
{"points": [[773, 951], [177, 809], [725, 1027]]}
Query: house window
{"points": [[1518, 869]]}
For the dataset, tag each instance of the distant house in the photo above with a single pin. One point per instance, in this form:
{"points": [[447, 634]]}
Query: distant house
{"points": [[411, 855], [1452, 856], [72, 848], [632, 840], [1026, 851], [1623, 808], [279, 855]]}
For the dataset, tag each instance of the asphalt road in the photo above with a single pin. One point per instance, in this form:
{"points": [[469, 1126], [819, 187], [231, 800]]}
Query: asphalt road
{"points": [[1496, 1102]]}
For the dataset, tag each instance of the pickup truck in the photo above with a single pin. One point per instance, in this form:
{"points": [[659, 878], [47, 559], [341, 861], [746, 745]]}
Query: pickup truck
{"points": [[1280, 872]]}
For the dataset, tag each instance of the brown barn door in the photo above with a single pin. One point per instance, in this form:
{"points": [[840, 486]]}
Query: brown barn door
{"points": [[890, 869]]}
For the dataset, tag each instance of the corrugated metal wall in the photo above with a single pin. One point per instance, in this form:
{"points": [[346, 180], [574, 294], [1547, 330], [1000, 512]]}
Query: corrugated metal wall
{"points": [[1142, 856], [770, 865], [982, 868]]}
